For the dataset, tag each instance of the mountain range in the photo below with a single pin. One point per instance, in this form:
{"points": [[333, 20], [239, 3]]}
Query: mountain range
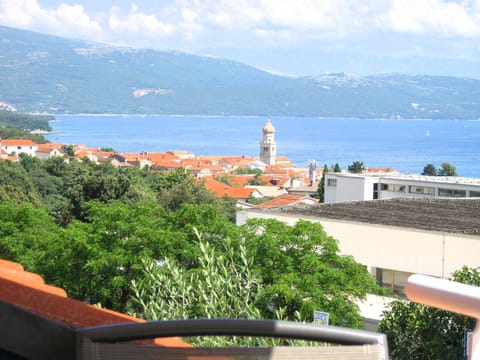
{"points": [[47, 74]]}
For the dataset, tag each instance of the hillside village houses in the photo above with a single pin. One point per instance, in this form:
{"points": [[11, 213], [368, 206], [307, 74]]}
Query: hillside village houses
{"points": [[218, 172]]}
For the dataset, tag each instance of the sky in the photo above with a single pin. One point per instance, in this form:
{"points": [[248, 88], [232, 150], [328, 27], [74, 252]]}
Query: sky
{"points": [[290, 37]]}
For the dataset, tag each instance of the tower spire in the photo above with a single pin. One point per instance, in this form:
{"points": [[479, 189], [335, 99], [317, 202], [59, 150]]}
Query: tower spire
{"points": [[268, 147]]}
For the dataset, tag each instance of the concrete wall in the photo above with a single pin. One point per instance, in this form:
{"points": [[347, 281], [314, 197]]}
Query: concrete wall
{"points": [[349, 188], [400, 249]]}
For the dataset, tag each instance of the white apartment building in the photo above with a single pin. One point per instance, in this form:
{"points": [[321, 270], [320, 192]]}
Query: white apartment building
{"points": [[345, 187], [18, 147]]}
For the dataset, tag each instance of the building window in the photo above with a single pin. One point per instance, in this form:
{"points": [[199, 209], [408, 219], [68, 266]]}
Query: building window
{"points": [[452, 193], [332, 182], [422, 190], [393, 280], [474, 193], [393, 187], [19, 148]]}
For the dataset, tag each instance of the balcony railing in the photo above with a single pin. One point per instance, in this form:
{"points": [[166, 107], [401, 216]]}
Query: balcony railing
{"points": [[451, 296]]}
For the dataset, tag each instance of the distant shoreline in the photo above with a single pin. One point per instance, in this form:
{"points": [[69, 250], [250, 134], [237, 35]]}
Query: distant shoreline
{"points": [[45, 132], [254, 117]]}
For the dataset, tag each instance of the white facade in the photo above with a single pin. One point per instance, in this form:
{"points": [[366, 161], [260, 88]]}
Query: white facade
{"points": [[17, 147], [268, 147], [348, 187], [345, 187], [47, 154]]}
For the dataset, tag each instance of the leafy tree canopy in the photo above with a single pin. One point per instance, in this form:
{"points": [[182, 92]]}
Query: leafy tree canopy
{"points": [[356, 167], [328, 281], [10, 132], [429, 170], [245, 170], [446, 169], [24, 121], [336, 168], [417, 331]]}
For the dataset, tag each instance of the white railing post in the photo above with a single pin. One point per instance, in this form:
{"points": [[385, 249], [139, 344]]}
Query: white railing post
{"points": [[450, 296]]}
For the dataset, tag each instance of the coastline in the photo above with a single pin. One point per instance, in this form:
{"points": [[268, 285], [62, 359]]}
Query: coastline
{"points": [[392, 118]]}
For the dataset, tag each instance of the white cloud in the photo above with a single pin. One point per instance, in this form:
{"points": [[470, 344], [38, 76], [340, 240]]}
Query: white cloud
{"points": [[66, 20], [137, 23], [435, 17]]}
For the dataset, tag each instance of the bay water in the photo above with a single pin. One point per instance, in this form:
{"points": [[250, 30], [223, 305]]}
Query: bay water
{"points": [[404, 145]]}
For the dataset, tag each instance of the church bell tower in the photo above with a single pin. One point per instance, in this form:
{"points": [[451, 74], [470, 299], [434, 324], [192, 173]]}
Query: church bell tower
{"points": [[268, 147]]}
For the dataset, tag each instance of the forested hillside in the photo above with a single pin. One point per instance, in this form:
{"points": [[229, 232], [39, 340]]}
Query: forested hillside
{"points": [[113, 236], [41, 73], [25, 121]]}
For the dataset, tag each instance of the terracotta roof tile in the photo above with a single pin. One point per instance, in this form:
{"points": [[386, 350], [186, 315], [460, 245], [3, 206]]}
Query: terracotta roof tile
{"points": [[28, 291], [221, 189], [286, 200], [17, 142]]}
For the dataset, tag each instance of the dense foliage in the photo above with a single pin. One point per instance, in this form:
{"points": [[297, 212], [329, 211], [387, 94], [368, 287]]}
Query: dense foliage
{"points": [[446, 169], [24, 121], [265, 269], [10, 132], [356, 167], [417, 332], [95, 230], [182, 83]]}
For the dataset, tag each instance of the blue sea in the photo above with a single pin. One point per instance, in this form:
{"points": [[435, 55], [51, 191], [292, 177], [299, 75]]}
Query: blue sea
{"points": [[404, 145]]}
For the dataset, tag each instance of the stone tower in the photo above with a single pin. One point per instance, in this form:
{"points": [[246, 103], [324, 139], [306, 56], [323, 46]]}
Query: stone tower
{"points": [[268, 147]]}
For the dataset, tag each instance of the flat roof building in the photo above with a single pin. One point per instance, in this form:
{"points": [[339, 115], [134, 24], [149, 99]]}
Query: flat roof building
{"points": [[344, 187]]}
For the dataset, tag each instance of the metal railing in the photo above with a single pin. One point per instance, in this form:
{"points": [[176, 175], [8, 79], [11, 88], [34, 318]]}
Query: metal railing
{"points": [[100, 342], [450, 296]]}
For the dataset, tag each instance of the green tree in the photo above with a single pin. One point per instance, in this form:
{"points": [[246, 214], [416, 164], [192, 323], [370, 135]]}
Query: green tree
{"points": [[224, 178], [16, 184], [447, 169], [220, 287], [336, 168], [356, 167], [25, 234], [430, 170], [321, 185], [69, 150], [301, 271], [417, 331], [110, 246], [244, 170], [223, 286], [23, 121], [256, 181]]}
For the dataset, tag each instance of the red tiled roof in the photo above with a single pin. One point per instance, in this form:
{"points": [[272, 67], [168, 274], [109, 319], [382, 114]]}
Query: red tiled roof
{"points": [[17, 142], [380, 170], [29, 292], [275, 169], [47, 148], [221, 189], [285, 200]]}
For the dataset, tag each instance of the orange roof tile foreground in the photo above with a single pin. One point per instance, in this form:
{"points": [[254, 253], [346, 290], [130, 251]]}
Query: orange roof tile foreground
{"points": [[29, 292], [287, 200]]}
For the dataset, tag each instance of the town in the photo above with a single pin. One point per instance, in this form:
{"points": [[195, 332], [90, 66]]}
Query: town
{"points": [[377, 216]]}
